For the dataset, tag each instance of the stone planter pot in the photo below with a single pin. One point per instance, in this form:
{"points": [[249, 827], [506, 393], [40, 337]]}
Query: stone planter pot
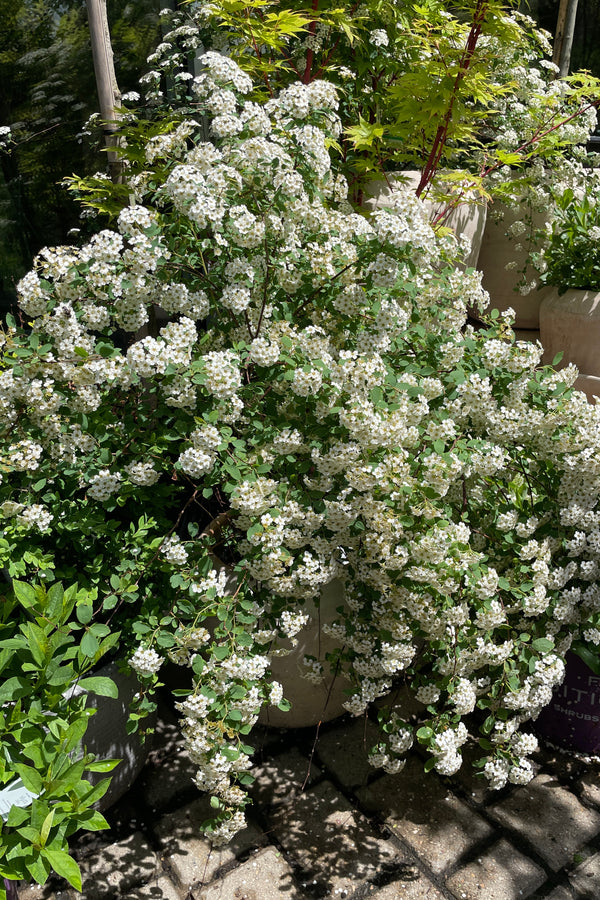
{"points": [[107, 736], [311, 703], [468, 218], [499, 251], [572, 719], [570, 322]]}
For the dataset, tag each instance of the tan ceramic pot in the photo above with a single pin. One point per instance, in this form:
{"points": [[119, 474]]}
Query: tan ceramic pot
{"points": [[311, 703], [499, 251], [467, 219], [570, 323]]}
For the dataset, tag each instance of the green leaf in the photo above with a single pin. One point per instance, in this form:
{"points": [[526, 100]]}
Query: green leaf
{"points": [[101, 685], [543, 645], [13, 688], [89, 644], [54, 601], [424, 734], [46, 826], [92, 820], [25, 594], [102, 765], [84, 613], [38, 868], [30, 777], [64, 865]]}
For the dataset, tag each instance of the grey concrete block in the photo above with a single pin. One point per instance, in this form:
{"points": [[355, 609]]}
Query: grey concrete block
{"points": [[590, 787], [550, 817], [265, 876], [280, 780], [585, 880], [188, 854], [159, 888], [409, 888], [561, 893], [501, 873], [344, 751], [426, 814], [333, 846], [117, 868]]}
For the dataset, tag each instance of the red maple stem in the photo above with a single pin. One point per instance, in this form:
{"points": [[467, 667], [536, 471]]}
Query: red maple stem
{"points": [[439, 142], [310, 54]]}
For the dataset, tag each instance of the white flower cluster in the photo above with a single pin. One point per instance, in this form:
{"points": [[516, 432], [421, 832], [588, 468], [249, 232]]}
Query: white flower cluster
{"points": [[145, 661]]}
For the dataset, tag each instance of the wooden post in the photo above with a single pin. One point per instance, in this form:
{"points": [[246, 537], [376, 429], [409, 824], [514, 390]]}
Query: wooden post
{"points": [[563, 38], [109, 95]]}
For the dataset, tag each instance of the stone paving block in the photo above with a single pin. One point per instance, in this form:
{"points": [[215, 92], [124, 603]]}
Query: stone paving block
{"points": [[415, 888], [501, 873], [35, 892], [344, 751], [550, 817], [161, 888], [188, 854], [561, 893], [264, 877], [590, 787], [280, 780], [586, 879], [164, 778], [333, 845], [426, 814], [117, 868]]}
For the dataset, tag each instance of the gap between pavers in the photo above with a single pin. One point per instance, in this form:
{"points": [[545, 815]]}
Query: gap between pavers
{"points": [[550, 818], [500, 873], [425, 814]]}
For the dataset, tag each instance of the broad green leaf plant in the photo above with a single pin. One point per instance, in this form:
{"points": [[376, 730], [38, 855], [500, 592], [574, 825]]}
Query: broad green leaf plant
{"points": [[45, 794], [571, 258]]}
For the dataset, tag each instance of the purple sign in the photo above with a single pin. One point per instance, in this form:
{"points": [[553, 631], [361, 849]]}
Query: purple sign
{"points": [[572, 718]]}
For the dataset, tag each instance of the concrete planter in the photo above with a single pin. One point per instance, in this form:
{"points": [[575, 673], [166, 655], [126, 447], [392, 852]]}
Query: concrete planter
{"points": [[311, 703], [468, 218], [499, 251], [107, 736], [570, 322]]}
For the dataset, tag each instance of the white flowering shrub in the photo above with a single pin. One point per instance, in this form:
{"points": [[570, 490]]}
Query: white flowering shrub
{"points": [[244, 390]]}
